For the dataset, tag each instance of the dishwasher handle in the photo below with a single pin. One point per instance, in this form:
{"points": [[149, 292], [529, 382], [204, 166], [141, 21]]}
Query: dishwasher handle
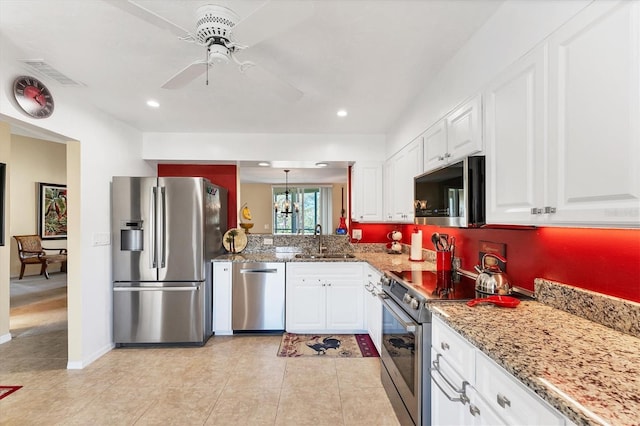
{"points": [[259, 271]]}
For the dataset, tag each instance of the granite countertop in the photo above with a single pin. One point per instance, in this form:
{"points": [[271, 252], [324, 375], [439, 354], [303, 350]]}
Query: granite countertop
{"points": [[544, 347], [380, 260], [394, 262]]}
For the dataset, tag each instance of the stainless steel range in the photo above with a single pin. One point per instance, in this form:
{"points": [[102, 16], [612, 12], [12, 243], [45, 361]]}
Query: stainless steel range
{"points": [[406, 336]]}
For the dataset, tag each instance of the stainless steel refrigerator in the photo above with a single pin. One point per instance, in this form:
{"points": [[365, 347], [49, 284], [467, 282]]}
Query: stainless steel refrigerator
{"points": [[165, 232]]}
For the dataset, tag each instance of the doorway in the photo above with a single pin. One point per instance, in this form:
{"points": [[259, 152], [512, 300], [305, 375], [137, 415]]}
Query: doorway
{"points": [[38, 308]]}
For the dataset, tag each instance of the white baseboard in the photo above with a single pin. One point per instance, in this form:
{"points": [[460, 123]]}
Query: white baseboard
{"points": [[79, 365], [5, 338]]}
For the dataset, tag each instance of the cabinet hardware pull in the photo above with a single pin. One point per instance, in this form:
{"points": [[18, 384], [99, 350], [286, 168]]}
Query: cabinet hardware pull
{"points": [[475, 411], [549, 209], [444, 346], [436, 369], [503, 401], [535, 210]]}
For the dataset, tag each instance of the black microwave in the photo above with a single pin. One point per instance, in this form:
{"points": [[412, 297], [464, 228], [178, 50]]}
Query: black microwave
{"points": [[453, 195]]}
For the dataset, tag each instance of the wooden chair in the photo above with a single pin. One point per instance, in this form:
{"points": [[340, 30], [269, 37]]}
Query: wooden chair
{"points": [[31, 252]]}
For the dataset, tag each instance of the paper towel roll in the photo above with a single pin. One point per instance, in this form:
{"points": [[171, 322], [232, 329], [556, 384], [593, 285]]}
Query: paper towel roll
{"points": [[416, 246]]}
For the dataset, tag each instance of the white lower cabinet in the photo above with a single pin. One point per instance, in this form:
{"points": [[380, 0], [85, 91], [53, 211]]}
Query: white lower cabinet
{"points": [[373, 306], [511, 399], [468, 388], [222, 298], [325, 297]]}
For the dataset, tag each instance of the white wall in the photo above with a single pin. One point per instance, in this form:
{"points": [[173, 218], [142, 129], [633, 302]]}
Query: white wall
{"points": [[255, 147], [107, 147], [515, 28]]}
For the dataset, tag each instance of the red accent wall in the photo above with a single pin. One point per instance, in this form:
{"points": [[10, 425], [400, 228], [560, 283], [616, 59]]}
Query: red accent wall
{"points": [[221, 175], [602, 260]]}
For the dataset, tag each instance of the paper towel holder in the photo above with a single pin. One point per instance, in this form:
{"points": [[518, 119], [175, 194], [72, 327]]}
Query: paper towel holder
{"points": [[416, 246]]}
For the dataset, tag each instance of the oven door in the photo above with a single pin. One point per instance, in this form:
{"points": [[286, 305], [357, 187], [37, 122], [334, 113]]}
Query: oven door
{"points": [[402, 356]]}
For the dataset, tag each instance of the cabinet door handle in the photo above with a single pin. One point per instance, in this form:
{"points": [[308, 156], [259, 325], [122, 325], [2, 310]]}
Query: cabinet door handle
{"points": [[503, 401], [549, 209], [444, 346], [447, 155], [535, 210], [436, 369], [475, 411]]}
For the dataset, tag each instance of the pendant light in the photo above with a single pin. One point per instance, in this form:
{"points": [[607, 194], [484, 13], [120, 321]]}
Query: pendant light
{"points": [[286, 208]]}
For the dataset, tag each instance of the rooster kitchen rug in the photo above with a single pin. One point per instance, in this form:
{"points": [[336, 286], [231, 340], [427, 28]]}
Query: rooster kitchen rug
{"points": [[327, 345]]}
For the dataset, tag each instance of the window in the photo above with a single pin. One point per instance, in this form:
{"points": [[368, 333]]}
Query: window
{"points": [[309, 205]]}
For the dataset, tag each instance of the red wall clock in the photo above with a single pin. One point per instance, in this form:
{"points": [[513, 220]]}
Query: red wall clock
{"points": [[33, 97]]}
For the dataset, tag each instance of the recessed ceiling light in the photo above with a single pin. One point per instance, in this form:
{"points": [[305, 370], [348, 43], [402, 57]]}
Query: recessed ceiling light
{"points": [[322, 164], [153, 104], [264, 164], [342, 113]]}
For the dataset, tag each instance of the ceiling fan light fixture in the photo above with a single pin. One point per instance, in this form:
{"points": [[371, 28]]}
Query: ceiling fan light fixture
{"points": [[218, 54]]}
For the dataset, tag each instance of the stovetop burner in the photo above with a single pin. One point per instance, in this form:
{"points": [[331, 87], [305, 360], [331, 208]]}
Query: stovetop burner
{"points": [[440, 285]]}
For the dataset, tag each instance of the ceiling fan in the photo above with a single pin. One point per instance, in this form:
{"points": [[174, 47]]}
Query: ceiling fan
{"points": [[217, 30]]}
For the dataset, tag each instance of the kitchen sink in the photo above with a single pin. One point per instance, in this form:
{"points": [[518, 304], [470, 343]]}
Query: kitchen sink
{"points": [[338, 256], [325, 256]]}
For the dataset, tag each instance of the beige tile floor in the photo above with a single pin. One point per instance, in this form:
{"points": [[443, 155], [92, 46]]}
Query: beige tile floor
{"points": [[232, 380]]}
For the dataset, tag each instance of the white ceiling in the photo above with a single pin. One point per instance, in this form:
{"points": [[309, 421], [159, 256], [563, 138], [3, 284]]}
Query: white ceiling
{"points": [[368, 56]]}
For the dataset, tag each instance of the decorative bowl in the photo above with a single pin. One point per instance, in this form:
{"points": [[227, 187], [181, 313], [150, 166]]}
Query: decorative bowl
{"points": [[246, 226]]}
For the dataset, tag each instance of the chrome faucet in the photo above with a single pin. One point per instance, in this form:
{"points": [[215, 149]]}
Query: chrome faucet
{"points": [[318, 233]]}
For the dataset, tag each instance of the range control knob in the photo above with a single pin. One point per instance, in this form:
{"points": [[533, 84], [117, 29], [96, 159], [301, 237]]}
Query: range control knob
{"points": [[414, 304], [407, 298]]}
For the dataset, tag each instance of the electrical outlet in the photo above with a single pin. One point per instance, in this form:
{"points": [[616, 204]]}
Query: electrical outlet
{"points": [[356, 234]]}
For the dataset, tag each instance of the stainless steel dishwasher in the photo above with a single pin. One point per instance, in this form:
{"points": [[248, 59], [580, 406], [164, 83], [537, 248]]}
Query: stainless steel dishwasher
{"points": [[258, 295]]}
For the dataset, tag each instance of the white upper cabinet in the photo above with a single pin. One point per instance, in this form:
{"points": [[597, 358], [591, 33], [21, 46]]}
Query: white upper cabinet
{"points": [[387, 189], [515, 141], [405, 165], [435, 145], [563, 126], [456, 136], [594, 116], [367, 192]]}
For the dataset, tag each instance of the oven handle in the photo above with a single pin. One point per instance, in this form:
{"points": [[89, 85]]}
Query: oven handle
{"points": [[406, 322], [436, 368]]}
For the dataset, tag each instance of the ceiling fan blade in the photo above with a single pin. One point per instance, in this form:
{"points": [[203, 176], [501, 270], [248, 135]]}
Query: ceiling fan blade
{"points": [[272, 18], [280, 87], [151, 17], [186, 75]]}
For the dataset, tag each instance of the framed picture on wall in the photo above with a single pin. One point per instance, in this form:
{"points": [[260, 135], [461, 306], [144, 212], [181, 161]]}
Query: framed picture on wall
{"points": [[52, 211], [3, 180]]}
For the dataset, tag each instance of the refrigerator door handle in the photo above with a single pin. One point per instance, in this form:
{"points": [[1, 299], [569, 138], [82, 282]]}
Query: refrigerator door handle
{"points": [[139, 289], [163, 228], [152, 231]]}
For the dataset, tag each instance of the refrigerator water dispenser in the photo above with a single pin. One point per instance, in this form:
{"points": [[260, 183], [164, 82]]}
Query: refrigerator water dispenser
{"points": [[131, 234]]}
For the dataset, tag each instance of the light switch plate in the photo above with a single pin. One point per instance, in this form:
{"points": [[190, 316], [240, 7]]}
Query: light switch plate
{"points": [[356, 234], [101, 238]]}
